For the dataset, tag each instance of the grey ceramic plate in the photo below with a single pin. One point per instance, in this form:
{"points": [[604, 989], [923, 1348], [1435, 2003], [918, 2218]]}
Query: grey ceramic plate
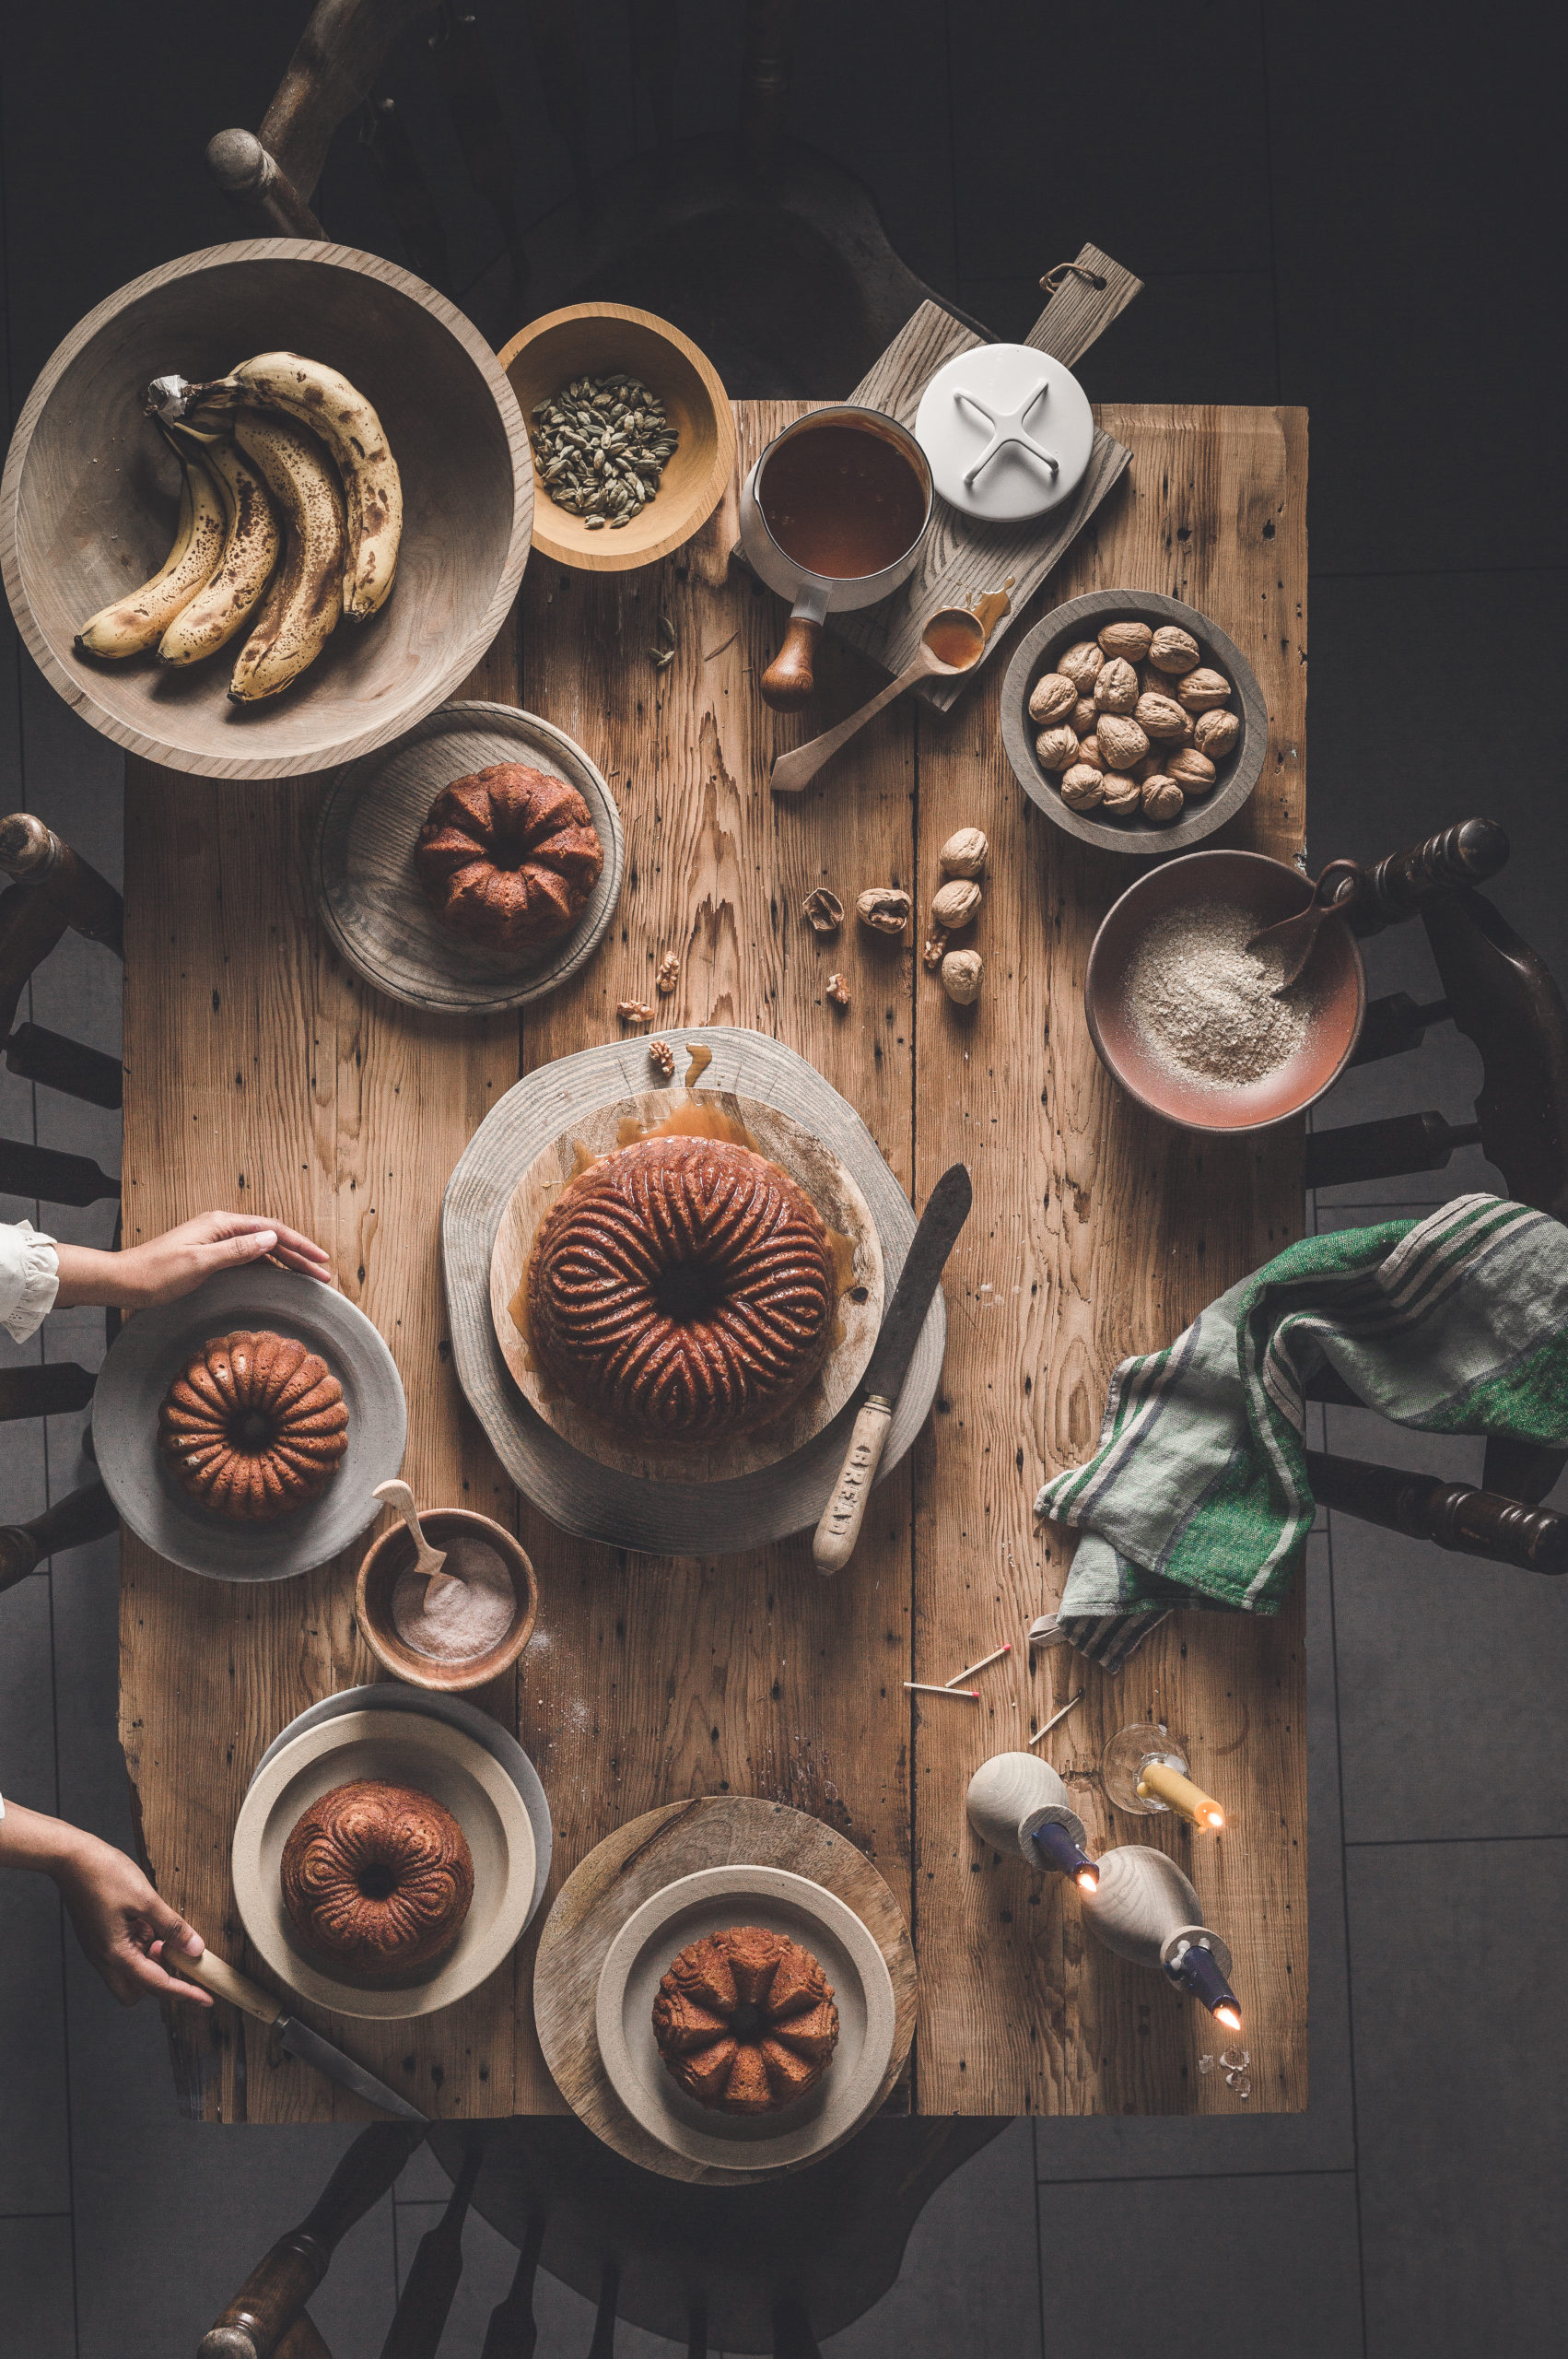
{"points": [[370, 896], [1084, 618], [779, 1903], [389, 1696], [150, 1351]]}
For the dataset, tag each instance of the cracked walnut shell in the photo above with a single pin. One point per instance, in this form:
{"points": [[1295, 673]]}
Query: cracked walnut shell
{"points": [[823, 911], [886, 909]]}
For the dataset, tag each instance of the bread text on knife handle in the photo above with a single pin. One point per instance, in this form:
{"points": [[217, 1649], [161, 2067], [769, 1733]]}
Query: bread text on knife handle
{"points": [[842, 1517]]}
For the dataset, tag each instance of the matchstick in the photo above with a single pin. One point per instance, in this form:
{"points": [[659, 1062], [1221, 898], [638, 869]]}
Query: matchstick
{"points": [[925, 1687], [1056, 1717], [984, 1663]]}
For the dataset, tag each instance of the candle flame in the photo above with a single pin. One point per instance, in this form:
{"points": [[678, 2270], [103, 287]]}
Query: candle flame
{"points": [[1214, 1817], [1088, 1878], [1229, 2018]]}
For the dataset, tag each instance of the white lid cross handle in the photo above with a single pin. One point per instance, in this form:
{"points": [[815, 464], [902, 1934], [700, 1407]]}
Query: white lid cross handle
{"points": [[1007, 428]]}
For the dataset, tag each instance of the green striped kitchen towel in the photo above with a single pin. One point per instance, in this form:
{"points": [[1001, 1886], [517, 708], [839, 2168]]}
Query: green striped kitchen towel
{"points": [[1198, 1494]]}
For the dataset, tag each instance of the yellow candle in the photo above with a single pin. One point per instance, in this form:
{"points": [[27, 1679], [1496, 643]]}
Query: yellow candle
{"points": [[1157, 1779]]}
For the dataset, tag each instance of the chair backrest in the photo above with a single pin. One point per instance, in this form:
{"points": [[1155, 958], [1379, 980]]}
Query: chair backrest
{"points": [[55, 892]]}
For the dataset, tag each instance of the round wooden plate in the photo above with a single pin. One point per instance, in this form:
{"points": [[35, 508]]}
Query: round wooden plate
{"points": [[811, 1164], [457, 1713], [151, 1349], [369, 893], [644, 1858], [779, 1903], [601, 1502], [406, 1749]]}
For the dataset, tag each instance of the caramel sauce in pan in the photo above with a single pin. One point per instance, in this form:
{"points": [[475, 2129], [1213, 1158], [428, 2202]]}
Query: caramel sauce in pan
{"points": [[842, 500]]}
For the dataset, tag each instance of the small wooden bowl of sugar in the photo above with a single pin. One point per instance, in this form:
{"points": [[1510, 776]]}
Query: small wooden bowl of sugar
{"points": [[465, 1628], [1184, 1014]]}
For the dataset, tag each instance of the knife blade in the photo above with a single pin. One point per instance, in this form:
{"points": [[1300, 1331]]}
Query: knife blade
{"points": [[947, 1209], [299, 2040]]}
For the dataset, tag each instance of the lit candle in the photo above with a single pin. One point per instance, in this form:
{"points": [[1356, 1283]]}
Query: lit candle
{"points": [[1158, 1781], [1195, 1967], [1057, 1847]]}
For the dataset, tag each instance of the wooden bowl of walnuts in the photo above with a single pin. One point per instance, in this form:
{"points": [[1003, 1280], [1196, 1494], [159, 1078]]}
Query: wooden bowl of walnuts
{"points": [[1134, 721]]}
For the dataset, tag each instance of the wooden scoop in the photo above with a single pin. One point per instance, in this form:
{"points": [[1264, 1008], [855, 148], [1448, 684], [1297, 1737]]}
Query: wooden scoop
{"points": [[426, 1560], [1295, 938], [961, 632]]}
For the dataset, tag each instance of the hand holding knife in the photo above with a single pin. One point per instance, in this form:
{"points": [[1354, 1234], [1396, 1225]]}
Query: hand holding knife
{"points": [[947, 1209], [298, 2038]]}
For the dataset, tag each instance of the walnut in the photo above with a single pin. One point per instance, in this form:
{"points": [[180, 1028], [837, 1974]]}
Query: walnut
{"points": [[1083, 717], [1216, 733], [1082, 787], [932, 955], [1089, 751], [1130, 641], [1052, 697], [1056, 747], [965, 853], [956, 904], [839, 990], [662, 1056], [1082, 665], [1193, 771], [668, 974], [1122, 741], [1162, 799], [1159, 716], [823, 911], [1202, 690], [1122, 795], [633, 1011], [1173, 650], [1115, 690], [961, 976], [886, 909]]}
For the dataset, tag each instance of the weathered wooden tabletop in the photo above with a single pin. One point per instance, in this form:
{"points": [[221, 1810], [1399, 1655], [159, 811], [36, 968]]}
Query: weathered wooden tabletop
{"points": [[261, 1073]]}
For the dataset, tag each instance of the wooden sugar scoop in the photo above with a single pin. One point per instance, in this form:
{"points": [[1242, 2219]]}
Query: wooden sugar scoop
{"points": [[426, 1560]]}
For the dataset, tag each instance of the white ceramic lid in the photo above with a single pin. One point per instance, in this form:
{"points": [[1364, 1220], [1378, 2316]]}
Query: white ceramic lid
{"points": [[1007, 431]]}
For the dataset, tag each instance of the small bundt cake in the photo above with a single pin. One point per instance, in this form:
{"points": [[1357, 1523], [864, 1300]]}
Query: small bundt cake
{"points": [[746, 2021], [682, 1288], [377, 1878], [510, 857], [255, 1426]]}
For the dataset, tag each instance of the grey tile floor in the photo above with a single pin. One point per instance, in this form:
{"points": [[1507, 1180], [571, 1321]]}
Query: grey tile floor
{"points": [[1325, 212]]}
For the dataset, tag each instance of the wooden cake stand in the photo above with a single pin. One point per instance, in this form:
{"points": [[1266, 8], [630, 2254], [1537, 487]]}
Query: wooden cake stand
{"points": [[640, 1859]]}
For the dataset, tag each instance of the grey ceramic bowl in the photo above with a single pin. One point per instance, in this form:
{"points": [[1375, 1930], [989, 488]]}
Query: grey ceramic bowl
{"points": [[1085, 617]]}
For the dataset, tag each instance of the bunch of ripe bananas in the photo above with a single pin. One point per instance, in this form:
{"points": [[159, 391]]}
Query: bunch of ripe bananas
{"points": [[291, 515]]}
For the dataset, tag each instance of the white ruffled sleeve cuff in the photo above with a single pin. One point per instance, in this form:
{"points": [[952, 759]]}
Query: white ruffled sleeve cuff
{"points": [[29, 1278]]}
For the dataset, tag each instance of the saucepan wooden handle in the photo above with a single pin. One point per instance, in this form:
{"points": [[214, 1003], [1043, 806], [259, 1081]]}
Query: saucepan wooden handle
{"points": [[224, 1983], [844, 1511], [787, 684]]}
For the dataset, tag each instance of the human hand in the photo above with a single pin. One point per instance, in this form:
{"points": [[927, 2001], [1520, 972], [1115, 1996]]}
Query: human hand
{"points": [[173, 1264], [121, 1922]]}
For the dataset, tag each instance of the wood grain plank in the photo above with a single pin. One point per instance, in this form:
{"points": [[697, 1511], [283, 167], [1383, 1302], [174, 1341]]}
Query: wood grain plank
{"points": [[1097, 1232]]}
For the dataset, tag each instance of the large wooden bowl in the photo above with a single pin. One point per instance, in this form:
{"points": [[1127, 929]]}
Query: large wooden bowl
{"points": [[89, 498], [592, 340]]}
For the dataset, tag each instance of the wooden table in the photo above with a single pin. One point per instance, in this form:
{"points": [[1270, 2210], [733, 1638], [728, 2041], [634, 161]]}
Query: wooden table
{"points": [[260, 1074]]}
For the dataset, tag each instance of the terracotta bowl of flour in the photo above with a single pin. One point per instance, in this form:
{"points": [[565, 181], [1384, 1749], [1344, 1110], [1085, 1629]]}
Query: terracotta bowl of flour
{"points": [[462, 1535], [1184, 1015]]}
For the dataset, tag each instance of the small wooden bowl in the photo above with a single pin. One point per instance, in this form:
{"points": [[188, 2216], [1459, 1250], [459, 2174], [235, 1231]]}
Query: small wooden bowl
{"points": [[90, 492], [392, 1554], [1085, 617], [1267, 890], [592, 340]]}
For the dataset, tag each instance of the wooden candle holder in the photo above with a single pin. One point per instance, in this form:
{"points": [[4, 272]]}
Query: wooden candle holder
{"points": [[1146, 1910], [1012, 1796]]}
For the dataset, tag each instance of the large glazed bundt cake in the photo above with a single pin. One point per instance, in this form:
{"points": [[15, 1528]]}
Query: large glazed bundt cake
{"points": [[510, 857], [255, 1426], [377, 1878], [746, 2021], [682, 1289]]}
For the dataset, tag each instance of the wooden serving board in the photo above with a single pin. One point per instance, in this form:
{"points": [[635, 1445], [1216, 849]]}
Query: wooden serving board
{"points": [[813, 1167], [642, 1858], [963, 557]]}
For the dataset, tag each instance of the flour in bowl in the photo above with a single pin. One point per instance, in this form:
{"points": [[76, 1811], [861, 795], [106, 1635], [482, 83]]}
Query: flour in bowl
{"points": [[1200, 1001]]}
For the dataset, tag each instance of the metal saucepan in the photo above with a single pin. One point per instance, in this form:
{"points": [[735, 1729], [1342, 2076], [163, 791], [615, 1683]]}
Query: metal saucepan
{"points": [[787, 683]]}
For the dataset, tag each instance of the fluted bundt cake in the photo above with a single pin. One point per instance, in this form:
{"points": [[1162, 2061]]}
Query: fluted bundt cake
{"points": [[254, 1426], [510, 857], [377, 1878], [746, 2021], [682, 1288]]}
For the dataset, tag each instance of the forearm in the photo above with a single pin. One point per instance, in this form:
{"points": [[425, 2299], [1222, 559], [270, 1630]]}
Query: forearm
{"points": [[89, 1276], [29, 1840]]}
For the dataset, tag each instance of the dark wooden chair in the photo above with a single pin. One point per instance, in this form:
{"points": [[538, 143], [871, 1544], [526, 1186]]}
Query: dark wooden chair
{"points": [[759, 2269], [771, 256], [1502, 996], [54, 892]]}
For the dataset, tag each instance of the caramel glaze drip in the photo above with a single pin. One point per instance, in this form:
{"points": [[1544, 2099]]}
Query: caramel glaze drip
{"points": [[255, 1426], [684, 1288]]}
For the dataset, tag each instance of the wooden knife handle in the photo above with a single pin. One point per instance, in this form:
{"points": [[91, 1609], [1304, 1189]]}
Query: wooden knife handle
{"points": [[224, 1983], [843, 1515]]}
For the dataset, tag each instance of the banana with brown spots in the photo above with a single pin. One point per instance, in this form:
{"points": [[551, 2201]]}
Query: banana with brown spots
{"points": [[250, 552], [140, 618], [306, 598]]}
